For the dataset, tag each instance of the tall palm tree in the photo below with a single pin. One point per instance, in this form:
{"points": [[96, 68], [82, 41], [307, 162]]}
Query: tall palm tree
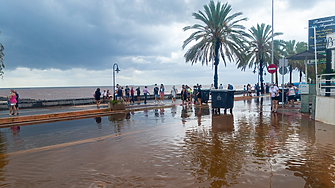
{"points": [[219, 36], [259, 48], [291, 48], [2, 65]]}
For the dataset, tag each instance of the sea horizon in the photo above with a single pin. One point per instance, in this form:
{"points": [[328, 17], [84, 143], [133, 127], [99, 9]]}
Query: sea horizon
{"points": [[74, 92]]}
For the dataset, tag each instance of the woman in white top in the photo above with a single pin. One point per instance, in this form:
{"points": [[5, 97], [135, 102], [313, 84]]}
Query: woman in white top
{"points": [[274, 92]]}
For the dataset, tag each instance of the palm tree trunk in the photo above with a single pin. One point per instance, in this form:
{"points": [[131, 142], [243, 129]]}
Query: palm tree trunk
{"points": [[216, 63], [215, 76], [261, 75]]}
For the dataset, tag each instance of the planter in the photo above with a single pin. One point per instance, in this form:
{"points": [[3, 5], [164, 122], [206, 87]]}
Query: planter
{"points": [[117, 106]]}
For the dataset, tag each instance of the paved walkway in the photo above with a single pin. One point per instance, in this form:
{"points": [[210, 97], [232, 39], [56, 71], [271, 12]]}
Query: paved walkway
{"points": [[49, 114], [59, 109]]}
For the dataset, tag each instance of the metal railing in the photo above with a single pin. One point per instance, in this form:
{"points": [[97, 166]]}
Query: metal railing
{"points": [[321, 88]]}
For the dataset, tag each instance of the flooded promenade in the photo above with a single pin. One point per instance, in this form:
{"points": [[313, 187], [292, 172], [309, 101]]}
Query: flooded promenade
{"points": [[172, 147]]}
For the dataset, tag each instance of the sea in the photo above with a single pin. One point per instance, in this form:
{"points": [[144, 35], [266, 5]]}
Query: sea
{"points": [[55, 93]]}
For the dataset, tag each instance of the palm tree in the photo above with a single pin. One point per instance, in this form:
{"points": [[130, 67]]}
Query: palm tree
{"points": [[2, 65], [290, 49], [219, 36], [300, 65], [259, 48]]}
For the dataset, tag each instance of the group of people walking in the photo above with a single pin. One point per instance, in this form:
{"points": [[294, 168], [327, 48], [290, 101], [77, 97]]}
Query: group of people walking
{"points": [[290, 95], [121, 94], [13, 103], [187, 94], [248, 89]]}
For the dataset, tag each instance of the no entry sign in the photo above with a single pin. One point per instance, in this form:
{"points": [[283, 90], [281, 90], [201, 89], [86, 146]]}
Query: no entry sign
{"points": [[272, 68]]}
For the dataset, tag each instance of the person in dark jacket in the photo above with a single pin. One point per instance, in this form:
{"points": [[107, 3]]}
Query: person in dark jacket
{"points": [[97, 95], [17, 102]]}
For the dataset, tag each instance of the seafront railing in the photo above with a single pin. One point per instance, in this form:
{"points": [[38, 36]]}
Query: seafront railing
{"points": [[326, 84], [31, 103]]}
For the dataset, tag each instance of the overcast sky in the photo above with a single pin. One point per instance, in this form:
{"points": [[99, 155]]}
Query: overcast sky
{"points": [[76, 42]]}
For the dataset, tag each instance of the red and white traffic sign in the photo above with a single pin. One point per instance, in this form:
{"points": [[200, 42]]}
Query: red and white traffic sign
{"points": [[272, 68]]}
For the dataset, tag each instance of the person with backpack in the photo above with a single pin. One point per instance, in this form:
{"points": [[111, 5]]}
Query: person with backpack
{"points": [[138, 93], [120, 94], [127, 95], [156, 90], [230, 87]]}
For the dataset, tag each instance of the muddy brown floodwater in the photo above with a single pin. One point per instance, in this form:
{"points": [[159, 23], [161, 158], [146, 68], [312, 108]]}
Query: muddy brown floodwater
{"points": [[172, 147]]}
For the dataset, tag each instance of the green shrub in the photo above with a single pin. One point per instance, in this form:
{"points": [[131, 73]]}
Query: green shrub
{"points": [[114, 102]]}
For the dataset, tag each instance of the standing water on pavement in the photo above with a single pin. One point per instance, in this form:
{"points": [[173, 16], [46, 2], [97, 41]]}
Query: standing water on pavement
{"points": [[172, 147]]}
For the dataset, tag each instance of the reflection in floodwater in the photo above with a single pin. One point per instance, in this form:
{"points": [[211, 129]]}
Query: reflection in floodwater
{"points": [[173, 110], [212, 155], [223, 123], [186, 112], [128, 115], [156, 112], [117, 117], [200, 111], [251, 148], [3, 151], [98, 120], [118, 120]]}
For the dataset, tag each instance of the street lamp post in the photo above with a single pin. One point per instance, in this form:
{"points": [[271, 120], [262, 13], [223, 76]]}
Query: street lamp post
{"points": [[272, 57], [117, 71]]}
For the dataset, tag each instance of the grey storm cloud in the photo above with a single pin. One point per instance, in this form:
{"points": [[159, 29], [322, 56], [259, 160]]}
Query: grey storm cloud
{"points": [[86, 33], [91, 34]]}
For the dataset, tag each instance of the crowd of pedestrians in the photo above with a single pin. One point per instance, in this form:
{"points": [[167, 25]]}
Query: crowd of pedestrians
{"points": [[249, 90], [289, 95], [127, 94]]}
